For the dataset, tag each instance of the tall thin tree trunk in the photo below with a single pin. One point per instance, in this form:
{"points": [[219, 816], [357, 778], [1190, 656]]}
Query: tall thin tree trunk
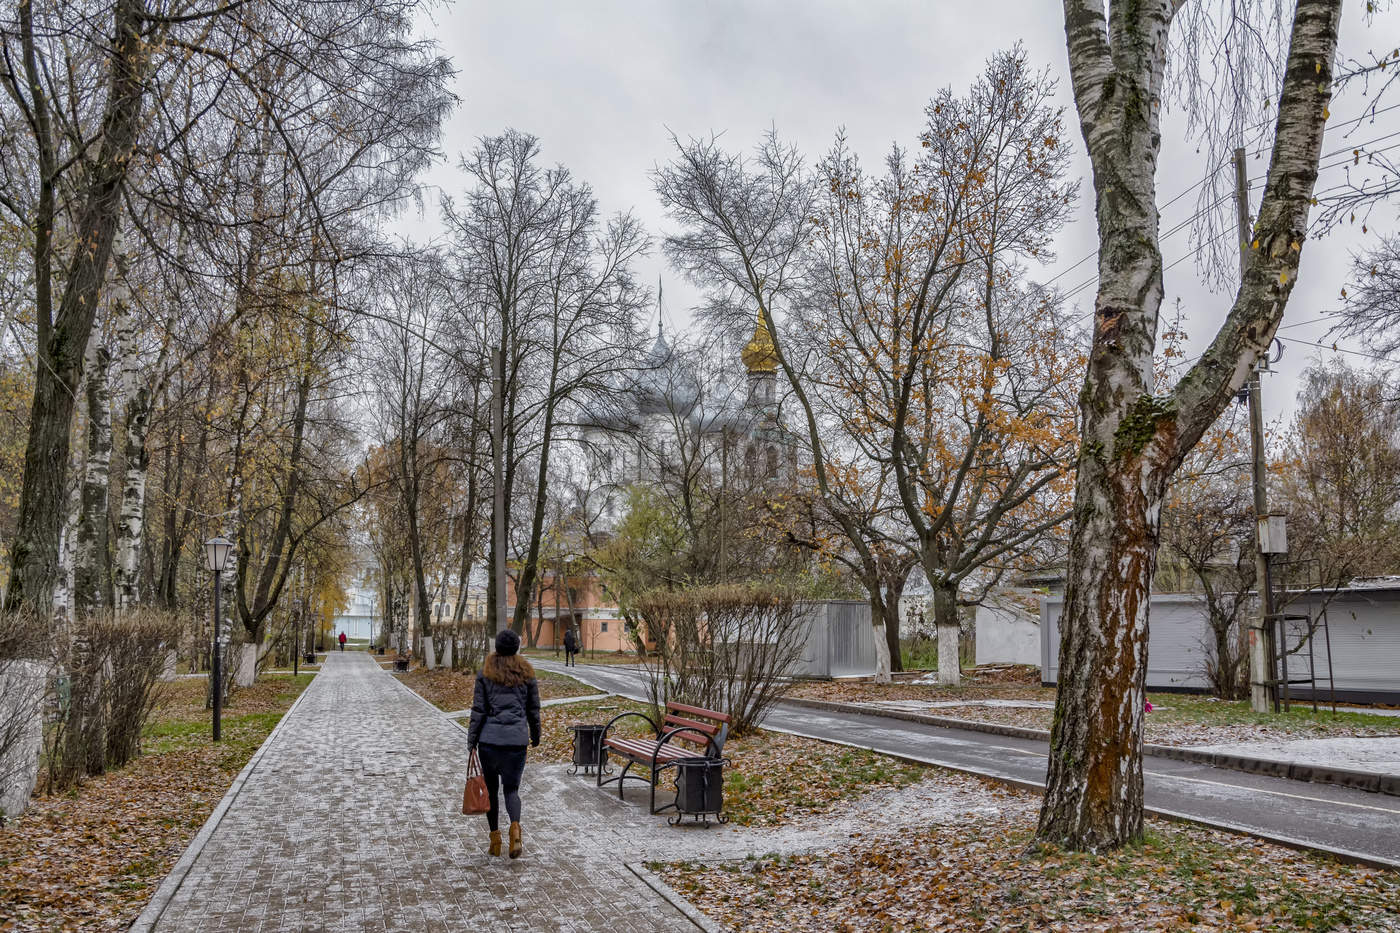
{"points": [[894, 593], [136, 414], [408, 466], [67, 546], [90, 556], [528, 572]]}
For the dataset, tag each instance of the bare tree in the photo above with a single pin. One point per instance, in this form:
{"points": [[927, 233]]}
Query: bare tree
{"points": [[901, 338], [941, 366], [410, 382], [106, 103], [1340, 474], [1371, 308], [549, 285]]}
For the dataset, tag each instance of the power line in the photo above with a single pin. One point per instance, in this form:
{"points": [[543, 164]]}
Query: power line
{"points": [[1262, 177], [1082, 286], [1336, 349]]}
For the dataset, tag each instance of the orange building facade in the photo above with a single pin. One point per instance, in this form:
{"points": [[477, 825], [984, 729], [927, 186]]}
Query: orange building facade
{"points": [[579, 600]]}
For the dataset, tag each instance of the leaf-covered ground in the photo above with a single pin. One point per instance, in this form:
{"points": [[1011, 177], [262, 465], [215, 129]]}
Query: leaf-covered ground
{"points": [[772, 779], [976, 875], [1012, 683], [91, 858], [451, 691], [1176, 719]]}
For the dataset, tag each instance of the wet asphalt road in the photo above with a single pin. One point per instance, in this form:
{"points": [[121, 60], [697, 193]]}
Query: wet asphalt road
{"points": [[1353, 824]]}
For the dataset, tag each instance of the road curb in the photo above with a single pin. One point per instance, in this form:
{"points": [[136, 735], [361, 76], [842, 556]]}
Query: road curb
{"points": [[150, 916], [669, 894], [1374, 782]]}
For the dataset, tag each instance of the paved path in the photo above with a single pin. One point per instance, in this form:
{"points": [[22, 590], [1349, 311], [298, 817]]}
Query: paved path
{"points": [[351, 821], [1347, 822]]}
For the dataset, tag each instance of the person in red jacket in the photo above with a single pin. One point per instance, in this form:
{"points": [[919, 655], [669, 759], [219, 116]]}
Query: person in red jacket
{"points": [[342, 641]]}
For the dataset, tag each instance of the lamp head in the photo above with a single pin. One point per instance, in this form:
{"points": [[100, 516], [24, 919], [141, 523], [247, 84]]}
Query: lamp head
{"points": [[216, 553]]}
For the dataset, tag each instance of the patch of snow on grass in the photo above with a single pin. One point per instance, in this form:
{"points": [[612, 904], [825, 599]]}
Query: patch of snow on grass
{"points": [[1377, 754]]}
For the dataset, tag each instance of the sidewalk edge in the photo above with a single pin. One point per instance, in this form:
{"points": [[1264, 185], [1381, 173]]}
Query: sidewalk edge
{"points": [[1371, 781], [150, 916], [689, 910]]}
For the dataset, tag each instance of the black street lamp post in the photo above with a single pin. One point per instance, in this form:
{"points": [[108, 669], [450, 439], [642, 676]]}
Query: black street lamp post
{"points": [[296, 646], [216, 555]]}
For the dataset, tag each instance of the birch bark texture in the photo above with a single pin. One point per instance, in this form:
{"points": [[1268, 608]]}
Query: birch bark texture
{"points": [[1133, 439]]}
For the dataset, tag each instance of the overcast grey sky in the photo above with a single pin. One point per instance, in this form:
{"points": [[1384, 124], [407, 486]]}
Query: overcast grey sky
{"points": [[604, 82]]}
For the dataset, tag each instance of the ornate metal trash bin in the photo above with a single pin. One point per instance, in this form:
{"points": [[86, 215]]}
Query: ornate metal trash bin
{"points": [[699, 789], [588, 738]]}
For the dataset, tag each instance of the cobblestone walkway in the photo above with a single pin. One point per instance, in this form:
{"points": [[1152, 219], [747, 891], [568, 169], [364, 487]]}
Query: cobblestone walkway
{"points": [[351, 821]]}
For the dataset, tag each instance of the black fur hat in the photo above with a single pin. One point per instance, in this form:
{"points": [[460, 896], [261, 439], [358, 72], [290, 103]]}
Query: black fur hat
{"points": [[507, 643]]}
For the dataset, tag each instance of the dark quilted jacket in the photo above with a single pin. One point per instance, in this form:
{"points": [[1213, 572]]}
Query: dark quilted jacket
{"points": [[505, 715]]}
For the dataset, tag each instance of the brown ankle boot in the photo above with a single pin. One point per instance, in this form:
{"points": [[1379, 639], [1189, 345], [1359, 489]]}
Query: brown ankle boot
{"points": [[515, 845], [495, 842]]}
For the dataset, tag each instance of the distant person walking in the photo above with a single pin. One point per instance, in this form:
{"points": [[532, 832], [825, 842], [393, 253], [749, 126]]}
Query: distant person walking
{"points": [[505, 713], [342, 641], [570, 648]]}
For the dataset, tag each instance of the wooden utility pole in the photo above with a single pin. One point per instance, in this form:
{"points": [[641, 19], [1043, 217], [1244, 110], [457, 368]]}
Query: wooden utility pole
{"points": [[498, 489], [1261, 667]]}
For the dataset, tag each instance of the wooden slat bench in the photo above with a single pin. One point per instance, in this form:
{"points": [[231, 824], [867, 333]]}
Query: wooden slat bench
{"points": [[702, 730]]}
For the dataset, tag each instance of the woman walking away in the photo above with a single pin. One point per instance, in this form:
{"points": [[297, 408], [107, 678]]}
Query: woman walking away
{"points": [[505, 713]]}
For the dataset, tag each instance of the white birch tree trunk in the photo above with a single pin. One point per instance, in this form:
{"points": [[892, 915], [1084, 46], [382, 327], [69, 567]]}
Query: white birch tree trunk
{"points": [[67, 547], [1132, 440], [90, 553], [136, 398]]}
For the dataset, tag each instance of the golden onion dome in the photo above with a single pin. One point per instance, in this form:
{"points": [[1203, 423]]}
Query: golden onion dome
{"points": [[760, 356]]}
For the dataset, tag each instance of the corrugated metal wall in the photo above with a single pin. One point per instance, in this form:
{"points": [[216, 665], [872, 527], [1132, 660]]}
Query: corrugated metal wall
{"points": [[850, 637], [1365, 634], [1365, 637], [839, 640], [1175, 657]]}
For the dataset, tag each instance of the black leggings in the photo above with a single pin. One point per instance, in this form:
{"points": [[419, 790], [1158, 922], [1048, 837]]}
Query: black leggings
{"points": [[502, 764]]}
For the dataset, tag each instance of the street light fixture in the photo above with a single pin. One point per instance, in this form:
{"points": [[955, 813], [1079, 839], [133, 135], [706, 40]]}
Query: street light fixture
{"points": [[216, 556]]}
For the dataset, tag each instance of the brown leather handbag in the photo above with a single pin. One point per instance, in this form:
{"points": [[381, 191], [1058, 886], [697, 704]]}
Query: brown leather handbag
{"points": [[475, 800]]}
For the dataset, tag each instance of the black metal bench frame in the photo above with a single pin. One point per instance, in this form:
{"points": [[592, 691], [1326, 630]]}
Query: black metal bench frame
{"points": [[713, 748]]}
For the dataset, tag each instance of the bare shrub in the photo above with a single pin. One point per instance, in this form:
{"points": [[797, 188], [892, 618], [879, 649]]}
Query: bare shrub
{"points": [[728, 648], [109, 669], [1225, 647], [472, 641]]}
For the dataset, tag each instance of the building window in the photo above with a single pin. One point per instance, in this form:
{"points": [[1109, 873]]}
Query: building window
{"points": [[605, 627]]}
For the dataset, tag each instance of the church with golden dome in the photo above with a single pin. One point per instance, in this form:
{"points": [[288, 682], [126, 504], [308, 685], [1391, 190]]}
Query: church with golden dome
{"points": [[678, 409]]}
